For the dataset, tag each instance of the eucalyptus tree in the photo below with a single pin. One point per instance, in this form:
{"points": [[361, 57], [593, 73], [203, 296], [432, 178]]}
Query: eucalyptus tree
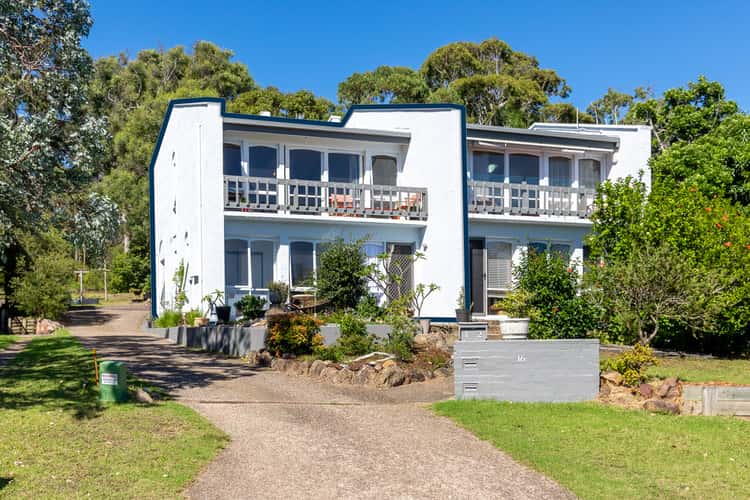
{"points": [[50, 144]]}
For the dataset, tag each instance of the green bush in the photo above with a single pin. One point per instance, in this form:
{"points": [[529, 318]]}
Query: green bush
{"points": [[192, 315], [42, 289], [129, 272], [250, 306], [168, 319], [368, 309], [631, 364], [547, 291], [400, 341], [291, 333], [328, 353], [340, 277], [354, 340]]}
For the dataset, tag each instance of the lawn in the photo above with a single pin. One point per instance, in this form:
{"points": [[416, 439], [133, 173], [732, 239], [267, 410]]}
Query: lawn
{"points": [[58, 442], [6, 340], [603, 452], [736, 371]]}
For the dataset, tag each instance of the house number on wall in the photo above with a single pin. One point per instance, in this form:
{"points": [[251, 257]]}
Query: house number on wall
{"points": [[520, 358]]}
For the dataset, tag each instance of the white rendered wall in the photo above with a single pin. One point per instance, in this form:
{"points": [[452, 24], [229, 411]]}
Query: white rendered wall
{"points": [[433, 160], [188, 204], [633, 154]]}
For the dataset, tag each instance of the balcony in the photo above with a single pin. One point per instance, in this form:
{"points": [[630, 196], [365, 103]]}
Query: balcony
{"points": [[529, 199], [295, 196]]}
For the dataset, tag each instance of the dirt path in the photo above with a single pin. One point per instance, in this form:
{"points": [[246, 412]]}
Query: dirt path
{"points": [[10, 352], [293, 437]]}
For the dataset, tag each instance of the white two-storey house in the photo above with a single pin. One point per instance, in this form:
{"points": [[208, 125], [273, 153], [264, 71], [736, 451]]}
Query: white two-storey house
{"points": [[244, 200]]}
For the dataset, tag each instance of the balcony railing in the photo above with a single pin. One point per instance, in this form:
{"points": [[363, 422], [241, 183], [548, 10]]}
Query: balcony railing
{"points": [[529, 199], [294, 196]]}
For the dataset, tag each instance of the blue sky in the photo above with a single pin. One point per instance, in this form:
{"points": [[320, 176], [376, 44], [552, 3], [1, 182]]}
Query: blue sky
{"points": [[594, 44]]}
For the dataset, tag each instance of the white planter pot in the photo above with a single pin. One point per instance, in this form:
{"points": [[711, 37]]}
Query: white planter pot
{"points": [[514, 328]]}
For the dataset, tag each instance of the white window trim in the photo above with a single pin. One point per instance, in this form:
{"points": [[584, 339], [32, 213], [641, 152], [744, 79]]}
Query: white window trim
{"points": [[274, 268]]}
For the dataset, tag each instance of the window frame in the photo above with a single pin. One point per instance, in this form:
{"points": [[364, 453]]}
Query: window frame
{"points": [[249, 241]]}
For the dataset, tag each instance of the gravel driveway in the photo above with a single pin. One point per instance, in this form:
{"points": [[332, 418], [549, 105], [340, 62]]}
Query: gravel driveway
{"points": [[293, 437]]}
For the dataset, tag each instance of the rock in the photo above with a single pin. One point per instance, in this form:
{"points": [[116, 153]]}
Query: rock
{"points": [[646, 390], [415, 375], [422, 342], [443, 372], [604, 390], [355, 366], [391, 376], [143, 397], [669, 389], [378, 367], [612, 377], [387, 363], [316, 368], [302, 367], [343, 377], [661, 406], [264, 358], [329, 372], [364, 376], [47, 326], [276, 363]]}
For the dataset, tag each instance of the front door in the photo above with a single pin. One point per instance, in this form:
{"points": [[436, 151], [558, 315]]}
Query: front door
{"points": [[477, 276]]}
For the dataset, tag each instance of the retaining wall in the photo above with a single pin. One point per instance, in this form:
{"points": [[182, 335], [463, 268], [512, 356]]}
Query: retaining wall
{"points": [[716, 400], [238, 340], [527, 370]]}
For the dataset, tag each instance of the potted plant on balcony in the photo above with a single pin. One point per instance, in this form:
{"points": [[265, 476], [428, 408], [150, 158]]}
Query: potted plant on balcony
{"points": [[418, 297], [514, 325], [217, 310], [463, 315]]}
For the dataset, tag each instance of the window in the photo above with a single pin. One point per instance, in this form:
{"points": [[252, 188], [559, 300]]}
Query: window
{"points": [[589, 173], [401, 263], [261, 263], [524, 168], [305, 164], [537, 247], [384, 171], [489, 167], [560, 249], [262, 161], [235, 262], [559, 171], [343, 167], [232, 160], [302, 261], [320, 248], [499, 265]]}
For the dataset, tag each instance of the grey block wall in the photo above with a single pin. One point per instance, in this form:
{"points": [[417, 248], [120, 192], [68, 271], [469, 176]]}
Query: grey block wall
{"points": [[527, 370], [237, 340]]}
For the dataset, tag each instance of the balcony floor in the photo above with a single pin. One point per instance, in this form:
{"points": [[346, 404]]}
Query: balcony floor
{"points": [[322, 219]]}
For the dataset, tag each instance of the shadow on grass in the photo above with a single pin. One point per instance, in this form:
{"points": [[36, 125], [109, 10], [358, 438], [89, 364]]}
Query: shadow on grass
{"points": [[51, 373], [5, 481]]}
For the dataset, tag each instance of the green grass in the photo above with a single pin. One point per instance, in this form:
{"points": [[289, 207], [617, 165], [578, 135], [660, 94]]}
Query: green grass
{"points": [[6, 340], [736, 371], [603, 452], [59, 442]]}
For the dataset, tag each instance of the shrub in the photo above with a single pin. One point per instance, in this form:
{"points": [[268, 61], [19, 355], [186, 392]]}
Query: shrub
{"points": [[340, 276], [436, 358], [192, 315], [400, 341], [368, 309], [129, 272], [42, 289], [279, 291], [354, 340], [296, 334], [329, 353], [250, 306], [168, 318], [547, 292], [631, 364]]}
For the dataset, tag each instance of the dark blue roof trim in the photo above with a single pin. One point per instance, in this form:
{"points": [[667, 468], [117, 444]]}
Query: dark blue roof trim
{"points": [[327, 133]]}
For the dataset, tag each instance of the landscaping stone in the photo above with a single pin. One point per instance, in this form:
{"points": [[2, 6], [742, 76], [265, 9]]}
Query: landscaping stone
{"points": [[646, 391], [343, 377], [316, 368], [604, 390], [263, 358], [388, 363], [612, 377], [142, 396], [443, 372], [415, 375], [364, 376], [302, 367], [391, 376], [47, 326], [329, 373], [669, 389], [661, 406]]}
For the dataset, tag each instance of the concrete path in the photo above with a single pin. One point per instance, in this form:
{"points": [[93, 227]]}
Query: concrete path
{"points": [[293, 437]]}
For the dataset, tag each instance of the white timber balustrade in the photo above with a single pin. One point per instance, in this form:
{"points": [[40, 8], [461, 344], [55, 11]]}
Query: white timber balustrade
{"points": [[295, 196], [529, 199]]}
